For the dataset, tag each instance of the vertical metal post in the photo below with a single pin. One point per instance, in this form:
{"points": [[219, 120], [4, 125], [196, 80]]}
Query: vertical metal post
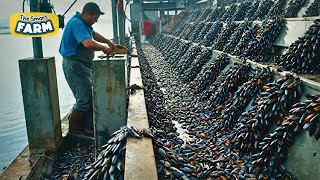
{"points": [[186, 5], [121, 22], [136, 19], [168, 10], [36, 42], [115, 21], [160, 26]]}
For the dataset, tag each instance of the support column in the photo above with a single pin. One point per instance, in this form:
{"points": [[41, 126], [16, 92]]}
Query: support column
{"points": [[41, 103], [121, 22], [36, 41], [136, 19], [115, 21], [161, 20], [109, 79]]}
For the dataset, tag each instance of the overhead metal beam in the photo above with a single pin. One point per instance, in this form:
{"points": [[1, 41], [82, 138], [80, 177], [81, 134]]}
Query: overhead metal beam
{"points": [[164, 6]]}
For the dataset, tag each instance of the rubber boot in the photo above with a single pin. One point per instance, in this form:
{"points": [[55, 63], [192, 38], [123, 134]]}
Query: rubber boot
{"points": [[76, 122], [88, 127]]}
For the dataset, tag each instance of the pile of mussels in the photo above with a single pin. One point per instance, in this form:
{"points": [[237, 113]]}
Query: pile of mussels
{"points": [[222, 142], [260, 48], [313, 9], [229, 13], [240, 13], [294, 8], [252, 10], [212, 34], [277, 9], [110, 161], [303, 56], [215, 14], [263, 9], [223, 37]]}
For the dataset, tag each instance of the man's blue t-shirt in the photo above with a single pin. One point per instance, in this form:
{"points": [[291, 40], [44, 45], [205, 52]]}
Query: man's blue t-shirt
{"points": [[75, 32]]}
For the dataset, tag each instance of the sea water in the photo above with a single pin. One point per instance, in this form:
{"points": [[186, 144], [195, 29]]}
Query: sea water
{"points": [[13, 135]]}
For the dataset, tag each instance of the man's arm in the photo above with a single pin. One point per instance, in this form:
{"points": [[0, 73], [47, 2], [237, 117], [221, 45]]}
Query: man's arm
{"points": [[98, 37], [91, 44]]}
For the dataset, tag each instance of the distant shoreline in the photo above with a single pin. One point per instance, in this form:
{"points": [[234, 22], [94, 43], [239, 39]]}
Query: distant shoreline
{"points": [[4, 29]]}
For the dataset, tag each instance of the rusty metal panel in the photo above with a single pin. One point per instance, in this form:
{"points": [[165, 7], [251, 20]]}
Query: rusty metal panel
{"points": [[109, 79], [41, 103]]}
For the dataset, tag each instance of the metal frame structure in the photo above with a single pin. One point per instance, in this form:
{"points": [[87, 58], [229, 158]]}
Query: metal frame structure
{"points": [[36, 41]]}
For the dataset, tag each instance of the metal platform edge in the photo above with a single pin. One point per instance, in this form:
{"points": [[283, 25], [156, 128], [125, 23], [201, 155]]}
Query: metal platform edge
{"points": [[139, 152]]}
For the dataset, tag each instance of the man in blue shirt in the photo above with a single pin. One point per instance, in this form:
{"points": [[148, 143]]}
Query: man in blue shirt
{"points": [[79, 41]]}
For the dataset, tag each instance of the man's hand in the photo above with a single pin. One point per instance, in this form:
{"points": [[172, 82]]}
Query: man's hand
{"points": [[107, 51]]}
